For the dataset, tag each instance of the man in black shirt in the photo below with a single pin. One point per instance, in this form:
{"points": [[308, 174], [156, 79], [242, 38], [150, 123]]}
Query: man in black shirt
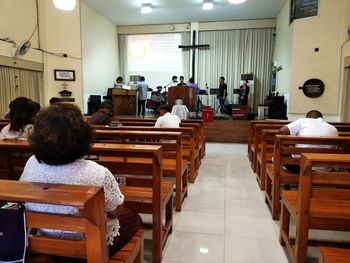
{"points": [[222, 94]]}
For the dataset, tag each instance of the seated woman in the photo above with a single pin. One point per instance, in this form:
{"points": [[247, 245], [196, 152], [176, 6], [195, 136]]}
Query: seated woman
{"points": [[59, 141], [22, 114]]}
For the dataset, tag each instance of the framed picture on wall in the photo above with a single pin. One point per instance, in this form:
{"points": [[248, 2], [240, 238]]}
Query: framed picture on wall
{"points": [[303, 8], [64, 74]]}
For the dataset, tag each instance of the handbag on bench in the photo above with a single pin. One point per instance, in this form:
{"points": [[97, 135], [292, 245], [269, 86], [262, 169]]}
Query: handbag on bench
{"points": [[13, 235]]}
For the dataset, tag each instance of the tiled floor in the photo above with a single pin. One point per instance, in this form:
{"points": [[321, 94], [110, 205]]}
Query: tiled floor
{"points": [[224, 218]]}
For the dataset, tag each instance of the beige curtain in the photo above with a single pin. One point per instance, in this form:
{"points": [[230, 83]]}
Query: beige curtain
{"points": [[123, 55], [18, 82], [233, 52], [345, 114]]}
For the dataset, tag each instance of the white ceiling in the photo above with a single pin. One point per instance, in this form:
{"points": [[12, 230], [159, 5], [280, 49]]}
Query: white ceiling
{"points": [[127, 12]]}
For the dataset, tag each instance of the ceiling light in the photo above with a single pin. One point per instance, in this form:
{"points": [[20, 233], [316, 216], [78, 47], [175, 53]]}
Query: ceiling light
{"points": [[208, 5], [236, 1], [146, 9], [66, 5]]}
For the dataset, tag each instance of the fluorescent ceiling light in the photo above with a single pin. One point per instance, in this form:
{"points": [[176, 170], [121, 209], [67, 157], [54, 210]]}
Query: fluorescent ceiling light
{"points": [[208, 5], [236, 1], [146, 9], [66, 5]]}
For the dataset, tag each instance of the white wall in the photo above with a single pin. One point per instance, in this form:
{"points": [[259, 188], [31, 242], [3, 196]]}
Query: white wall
{"points": [[59, 32], [100, 53], [296, 44], [283, 49]]}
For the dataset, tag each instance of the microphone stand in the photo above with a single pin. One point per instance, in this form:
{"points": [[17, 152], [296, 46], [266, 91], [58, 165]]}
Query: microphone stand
{"points": [[168, 84]]}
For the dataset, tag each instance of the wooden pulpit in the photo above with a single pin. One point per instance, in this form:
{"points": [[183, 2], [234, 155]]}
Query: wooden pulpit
{"points": [[185, 93], [124, 102]]}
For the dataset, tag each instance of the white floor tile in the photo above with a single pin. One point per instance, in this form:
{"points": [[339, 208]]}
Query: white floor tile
{"points": [[246, 208], [250, 251], [201, 223], [195, 247], [250, 227]]}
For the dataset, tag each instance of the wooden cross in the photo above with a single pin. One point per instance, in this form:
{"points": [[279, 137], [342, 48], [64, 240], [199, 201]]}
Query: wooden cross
{"points": [[194, 47]]}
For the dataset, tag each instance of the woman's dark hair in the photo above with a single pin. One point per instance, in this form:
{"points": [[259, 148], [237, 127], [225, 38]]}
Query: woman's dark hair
{"points": [[174, 78], [119, 79], [142, 78], [22, 113], [61, 135]]}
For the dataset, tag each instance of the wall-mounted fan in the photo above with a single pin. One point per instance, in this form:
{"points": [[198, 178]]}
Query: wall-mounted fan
{"points": [[22, 48]]}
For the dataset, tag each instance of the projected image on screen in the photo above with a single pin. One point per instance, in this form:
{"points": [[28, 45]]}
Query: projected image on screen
{"points": [[158, 52]]}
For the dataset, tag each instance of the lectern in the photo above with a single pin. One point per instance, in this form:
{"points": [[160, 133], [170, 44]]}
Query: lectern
{"points": [[185, 93], [124, 102]]}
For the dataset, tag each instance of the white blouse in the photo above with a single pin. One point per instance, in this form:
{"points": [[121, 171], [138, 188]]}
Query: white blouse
{"points": [[6, 133], [80, 172]]}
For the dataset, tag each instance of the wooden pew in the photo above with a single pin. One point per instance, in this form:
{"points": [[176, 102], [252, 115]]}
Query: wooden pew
{"points": [[334, 255], [188, 139], [265, 154], [149, 194], [187, 121], [198, 138], [284, 147], [91, 220], [258, 128], [172, 161], [322, 202]]}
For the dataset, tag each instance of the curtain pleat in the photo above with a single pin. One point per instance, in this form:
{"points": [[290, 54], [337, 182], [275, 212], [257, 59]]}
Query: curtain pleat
{"points": [[123, 54], [345, 114], [235, 52], [18, 82]]}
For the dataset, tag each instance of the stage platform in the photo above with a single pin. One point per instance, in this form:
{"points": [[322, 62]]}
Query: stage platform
{"points": [[229, 131]]}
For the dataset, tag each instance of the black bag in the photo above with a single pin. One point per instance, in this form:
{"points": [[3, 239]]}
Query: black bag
{"points": [[13, 235]]}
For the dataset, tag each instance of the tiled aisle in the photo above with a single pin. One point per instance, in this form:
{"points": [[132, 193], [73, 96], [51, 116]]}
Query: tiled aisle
{"points": [[224, 218]]}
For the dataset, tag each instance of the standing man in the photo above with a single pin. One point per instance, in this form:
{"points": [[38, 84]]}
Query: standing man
{"points": [[193, 85], [222, 94], [142, 88]]}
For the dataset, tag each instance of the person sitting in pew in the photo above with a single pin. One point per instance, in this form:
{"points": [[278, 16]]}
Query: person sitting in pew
{"points": [[312, 125], [59, 141], [103, 116], [166, 119], [22, 114]]}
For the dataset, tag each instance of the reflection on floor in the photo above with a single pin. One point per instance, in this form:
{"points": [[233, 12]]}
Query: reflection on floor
{"points": [[225, 218]]}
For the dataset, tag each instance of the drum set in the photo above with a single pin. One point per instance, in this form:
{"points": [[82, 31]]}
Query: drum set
{"points": [[157, 99]]}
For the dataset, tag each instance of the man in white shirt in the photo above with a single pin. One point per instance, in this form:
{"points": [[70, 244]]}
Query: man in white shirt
{"points": [[313, 126], [166, 119]]}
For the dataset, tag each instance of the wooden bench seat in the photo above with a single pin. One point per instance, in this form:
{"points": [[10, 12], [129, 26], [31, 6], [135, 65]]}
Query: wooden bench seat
{"points": [[334, 255], [146, 175], [89, 201], [173, 164], [284, 147], [322, 202], [188, 143]]}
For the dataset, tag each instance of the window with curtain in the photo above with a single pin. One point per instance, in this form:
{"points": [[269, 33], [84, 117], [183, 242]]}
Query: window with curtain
{"points": [[15, 83], [154, 52]]}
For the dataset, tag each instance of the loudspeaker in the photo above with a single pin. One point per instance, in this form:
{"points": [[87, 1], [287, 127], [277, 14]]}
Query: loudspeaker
{"points": [[94, 104], [278, 108]]}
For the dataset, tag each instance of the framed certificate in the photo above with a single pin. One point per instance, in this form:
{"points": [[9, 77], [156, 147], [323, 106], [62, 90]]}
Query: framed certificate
{"points": [[65, 75]]}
